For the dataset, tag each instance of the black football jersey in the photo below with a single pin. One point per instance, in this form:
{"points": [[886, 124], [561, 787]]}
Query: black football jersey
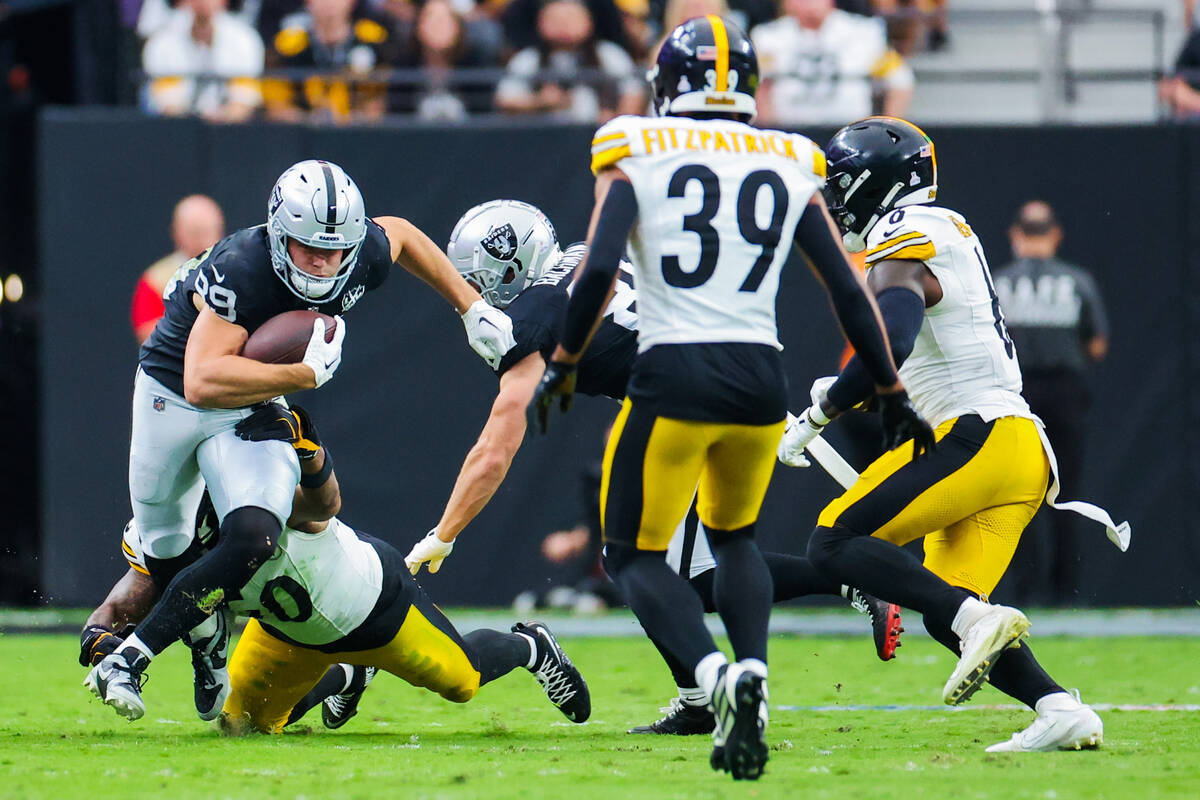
{"points": [[236, 280], [540, 312]]}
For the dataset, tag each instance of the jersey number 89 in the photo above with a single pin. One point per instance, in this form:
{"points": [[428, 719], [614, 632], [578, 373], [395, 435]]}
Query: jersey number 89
{"points": [[700, 223]]}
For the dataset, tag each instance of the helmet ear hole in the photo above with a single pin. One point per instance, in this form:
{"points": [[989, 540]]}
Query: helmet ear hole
{"points": [[510, 275]]}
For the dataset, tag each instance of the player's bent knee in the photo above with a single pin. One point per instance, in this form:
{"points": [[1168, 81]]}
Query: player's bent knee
{"points": [[825, 543]]}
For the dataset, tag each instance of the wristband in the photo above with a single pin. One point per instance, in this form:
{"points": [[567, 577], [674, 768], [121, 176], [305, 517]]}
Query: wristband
{"points": [[318, 479], [817, 417]]}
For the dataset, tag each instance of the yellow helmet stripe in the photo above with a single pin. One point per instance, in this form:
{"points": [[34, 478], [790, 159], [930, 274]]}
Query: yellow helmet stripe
{"points": [[721, 40]]}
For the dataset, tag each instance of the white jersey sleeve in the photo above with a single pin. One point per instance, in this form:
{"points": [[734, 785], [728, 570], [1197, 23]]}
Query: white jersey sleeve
{"points": [[317, 588], [963, 361], [718, 203]]}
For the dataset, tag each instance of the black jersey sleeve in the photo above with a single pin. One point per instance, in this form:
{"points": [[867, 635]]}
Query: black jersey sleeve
{"points": [[237, 281], [537, 316], [376, 255]]}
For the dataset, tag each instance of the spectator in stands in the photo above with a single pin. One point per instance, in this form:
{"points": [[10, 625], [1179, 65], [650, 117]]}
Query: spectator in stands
{"points": [[1056, 318], [591, 80], [521, 22], [204, 61], [746, 14], [1181, 92], [352, 54], [439, 41], [196, 224], [822, 65], [639, 30]]}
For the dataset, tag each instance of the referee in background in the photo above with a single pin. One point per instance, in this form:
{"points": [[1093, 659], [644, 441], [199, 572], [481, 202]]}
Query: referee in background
{"points": [[1056, 318]]}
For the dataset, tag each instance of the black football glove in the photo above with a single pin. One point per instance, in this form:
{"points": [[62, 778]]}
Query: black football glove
{"points": [[901, 422], [557, 381], [276, 422], [97, 642]]}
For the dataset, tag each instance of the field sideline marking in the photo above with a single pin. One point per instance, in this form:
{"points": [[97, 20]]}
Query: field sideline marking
{"points": [[995, 707]]}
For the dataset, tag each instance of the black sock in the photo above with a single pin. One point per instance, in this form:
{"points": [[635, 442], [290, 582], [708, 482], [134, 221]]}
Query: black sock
{"points": [[1017, 673], [248, 537], [795, 576], [331, 683], [494, 653], [667, 607], [742, 590], [884, 570], [684, 678]]}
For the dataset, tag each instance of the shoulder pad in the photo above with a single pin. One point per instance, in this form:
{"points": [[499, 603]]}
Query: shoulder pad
{"points": [[291, 42], [370, 31], [905, 237], [613, 142]]}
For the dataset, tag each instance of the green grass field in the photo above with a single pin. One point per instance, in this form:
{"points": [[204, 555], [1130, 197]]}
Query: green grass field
{"points": [[56, 741]]}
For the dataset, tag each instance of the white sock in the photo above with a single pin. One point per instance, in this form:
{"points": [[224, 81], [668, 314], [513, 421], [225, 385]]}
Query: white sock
{"points": [[138, 645], [706, 671], [968, 614], [845, 590], [754, 666], [693, 696], [532, 651], [1056, 701]]}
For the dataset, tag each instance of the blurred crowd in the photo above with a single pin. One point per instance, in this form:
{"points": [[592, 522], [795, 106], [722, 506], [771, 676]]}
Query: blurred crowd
{"points": [[347, 61]]}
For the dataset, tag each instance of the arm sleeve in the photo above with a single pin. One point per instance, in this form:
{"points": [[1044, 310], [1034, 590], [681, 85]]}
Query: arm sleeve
{"points": [[814, 237], [903, 314], [617, 216]]}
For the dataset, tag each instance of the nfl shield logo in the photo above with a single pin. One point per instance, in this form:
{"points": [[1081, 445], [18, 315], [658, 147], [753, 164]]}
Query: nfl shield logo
{"points": [[159, 404], [501, 243]]}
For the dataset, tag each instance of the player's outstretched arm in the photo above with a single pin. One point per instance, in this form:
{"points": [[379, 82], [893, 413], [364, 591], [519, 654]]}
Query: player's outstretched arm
{"points": [[487, 463], [318, 496], [613, 216], [489, 330], [216, 376]]}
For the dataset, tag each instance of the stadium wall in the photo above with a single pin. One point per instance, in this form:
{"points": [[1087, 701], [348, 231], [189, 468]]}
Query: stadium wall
{"points": [[410, 397]]}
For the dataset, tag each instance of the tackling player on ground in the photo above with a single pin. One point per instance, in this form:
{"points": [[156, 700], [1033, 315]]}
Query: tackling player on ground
{"points": [[318, 250], [510, 252], [971, 499], [710, 207], [332, 597]]}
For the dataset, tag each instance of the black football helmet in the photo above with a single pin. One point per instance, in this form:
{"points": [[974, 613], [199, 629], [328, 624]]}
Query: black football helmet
{"points": [[707, 65], [873, 166]]}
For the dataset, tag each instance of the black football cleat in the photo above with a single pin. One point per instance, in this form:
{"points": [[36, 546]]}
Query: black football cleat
{"points": [[337, 709], [681, 720], [210, 661], [885, 622], [560, 680], [740, 737]]}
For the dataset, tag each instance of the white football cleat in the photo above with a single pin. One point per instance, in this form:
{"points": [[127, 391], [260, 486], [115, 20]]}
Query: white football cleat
{"points": [[993, 633], [1063, 723], [119, 684]]}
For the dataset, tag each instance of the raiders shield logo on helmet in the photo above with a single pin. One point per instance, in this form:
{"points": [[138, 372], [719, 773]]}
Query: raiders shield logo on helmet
{"points": [[501, 243]]}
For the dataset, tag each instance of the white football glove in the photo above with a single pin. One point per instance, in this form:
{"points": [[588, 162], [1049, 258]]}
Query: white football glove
{"points": [[322, 357], [820, 389], [799, 432], [430, 550], [489, 332]]}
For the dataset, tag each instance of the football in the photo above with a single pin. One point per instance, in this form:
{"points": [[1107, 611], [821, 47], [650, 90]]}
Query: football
{"points": [[283, 338]]}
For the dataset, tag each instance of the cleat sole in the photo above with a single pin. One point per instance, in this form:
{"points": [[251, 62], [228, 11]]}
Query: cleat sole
{"points": [[959, 690]]}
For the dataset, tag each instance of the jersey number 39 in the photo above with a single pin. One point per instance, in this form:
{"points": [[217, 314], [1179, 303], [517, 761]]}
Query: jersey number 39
{"points": [[700, 223]]}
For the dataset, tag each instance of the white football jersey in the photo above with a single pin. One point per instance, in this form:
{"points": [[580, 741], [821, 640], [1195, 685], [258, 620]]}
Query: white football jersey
{"points": [[963, 361], [827, 75], [718, 203], [318, 587]]}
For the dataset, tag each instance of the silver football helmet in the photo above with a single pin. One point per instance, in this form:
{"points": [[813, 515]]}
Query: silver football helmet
{"points": [[502, 246], [315, 203]]}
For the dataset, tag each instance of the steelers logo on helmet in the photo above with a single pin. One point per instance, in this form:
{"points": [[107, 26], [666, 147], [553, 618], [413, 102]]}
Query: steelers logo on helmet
{"points": [[706, 66], [873, 166]]}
